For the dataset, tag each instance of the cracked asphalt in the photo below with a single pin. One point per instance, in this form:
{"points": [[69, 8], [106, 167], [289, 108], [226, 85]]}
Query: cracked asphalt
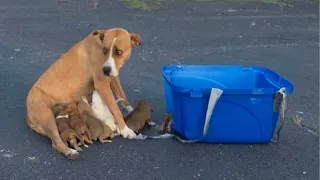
{"points": [[34, 33]]}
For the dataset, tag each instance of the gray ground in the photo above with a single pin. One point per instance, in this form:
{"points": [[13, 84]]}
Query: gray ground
{"points": [[34, 33]]}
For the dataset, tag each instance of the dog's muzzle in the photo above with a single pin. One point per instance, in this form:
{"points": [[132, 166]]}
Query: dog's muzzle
{"points": [[106, 70]]}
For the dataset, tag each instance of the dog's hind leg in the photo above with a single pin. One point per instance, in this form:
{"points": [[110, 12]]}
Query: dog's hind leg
{"points": [[41, 119]]}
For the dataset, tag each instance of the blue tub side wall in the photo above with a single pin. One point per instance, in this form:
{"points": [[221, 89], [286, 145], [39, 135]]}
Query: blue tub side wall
{"points": [[189, 114], [242, 119], [235, 119], [168, 97]]}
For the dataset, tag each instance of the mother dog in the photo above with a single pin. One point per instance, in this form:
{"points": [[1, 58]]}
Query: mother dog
{"points": [[92, 63]]}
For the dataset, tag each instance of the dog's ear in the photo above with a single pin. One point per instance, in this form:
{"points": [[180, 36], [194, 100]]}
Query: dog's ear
{"points": [[99, 34], [135, 40]]}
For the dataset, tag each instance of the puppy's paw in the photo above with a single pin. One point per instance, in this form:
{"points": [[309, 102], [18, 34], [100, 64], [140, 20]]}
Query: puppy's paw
{"points": [[85, 145], [129, 108], [128, 133], [78, 148], [151, 123], [72, 154]]}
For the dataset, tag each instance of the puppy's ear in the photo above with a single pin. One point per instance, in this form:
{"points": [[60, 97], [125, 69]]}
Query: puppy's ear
{"points": [[135, 40], [99, 34]]}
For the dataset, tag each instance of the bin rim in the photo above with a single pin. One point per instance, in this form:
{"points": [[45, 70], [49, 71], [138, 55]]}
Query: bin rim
{"points": [[269, 75]]}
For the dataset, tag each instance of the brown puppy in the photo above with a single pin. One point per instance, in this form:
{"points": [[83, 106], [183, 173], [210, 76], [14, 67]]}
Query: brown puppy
{"points": [[92, 63], [67, 134], [78, 123], [140, 116], [97, 128], [166, 123]]}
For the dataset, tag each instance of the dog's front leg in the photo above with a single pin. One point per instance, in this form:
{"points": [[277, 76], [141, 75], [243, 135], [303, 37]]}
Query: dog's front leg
{"points": [[102, 85], [118, 91]]}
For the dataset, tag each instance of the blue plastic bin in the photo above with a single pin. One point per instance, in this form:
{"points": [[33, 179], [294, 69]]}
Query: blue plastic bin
{"points": [[243, 114]]}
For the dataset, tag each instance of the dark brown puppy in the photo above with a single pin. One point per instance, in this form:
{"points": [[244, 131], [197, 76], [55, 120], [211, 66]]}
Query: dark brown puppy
{"points": [[97, 128], [166, 123], [77, 123], [67, 134], [140, 116]]}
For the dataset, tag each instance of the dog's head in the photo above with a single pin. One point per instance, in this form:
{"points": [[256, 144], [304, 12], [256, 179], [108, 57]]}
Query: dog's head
{"points": [[116, 45]]}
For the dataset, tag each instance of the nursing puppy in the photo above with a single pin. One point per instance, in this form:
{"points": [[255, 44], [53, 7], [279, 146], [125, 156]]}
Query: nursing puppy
{"points": [[140, 116], [67, 134], [97, 128], [78, 124], [91, 64]]}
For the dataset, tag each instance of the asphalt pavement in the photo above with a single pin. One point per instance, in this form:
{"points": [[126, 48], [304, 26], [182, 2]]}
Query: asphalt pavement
{"points": [[281, 36]]}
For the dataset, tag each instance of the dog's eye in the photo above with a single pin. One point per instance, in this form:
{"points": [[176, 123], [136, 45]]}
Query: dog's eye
{"points": [[118, 52]]}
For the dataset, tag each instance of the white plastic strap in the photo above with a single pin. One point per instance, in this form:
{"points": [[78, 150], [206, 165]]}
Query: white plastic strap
{"points": [[283, 106], [284, 102]]}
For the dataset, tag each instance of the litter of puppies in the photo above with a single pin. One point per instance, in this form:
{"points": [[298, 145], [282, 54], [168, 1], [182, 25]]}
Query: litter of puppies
{"points": [[78, 124]]}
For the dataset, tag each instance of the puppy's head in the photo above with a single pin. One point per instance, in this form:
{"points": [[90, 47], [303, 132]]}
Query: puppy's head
{"points": [[59, 109], [144, 106], [72, 107], [116, 46], [141, 104]]}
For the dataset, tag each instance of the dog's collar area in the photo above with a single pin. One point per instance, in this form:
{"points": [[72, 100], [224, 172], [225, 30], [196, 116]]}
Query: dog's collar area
{"points": [[62, 116]]}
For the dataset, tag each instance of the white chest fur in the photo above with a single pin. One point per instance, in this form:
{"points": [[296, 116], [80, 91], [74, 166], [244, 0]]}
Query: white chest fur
{"points": [[102, 111]]}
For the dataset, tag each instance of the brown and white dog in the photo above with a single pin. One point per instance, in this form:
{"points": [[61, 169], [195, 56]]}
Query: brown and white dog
{"points": [[91, 64]]}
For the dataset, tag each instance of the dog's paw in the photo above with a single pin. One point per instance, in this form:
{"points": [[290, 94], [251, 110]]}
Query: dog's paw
{"points": [[128, 133], [72, 154], [129, 108]]}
